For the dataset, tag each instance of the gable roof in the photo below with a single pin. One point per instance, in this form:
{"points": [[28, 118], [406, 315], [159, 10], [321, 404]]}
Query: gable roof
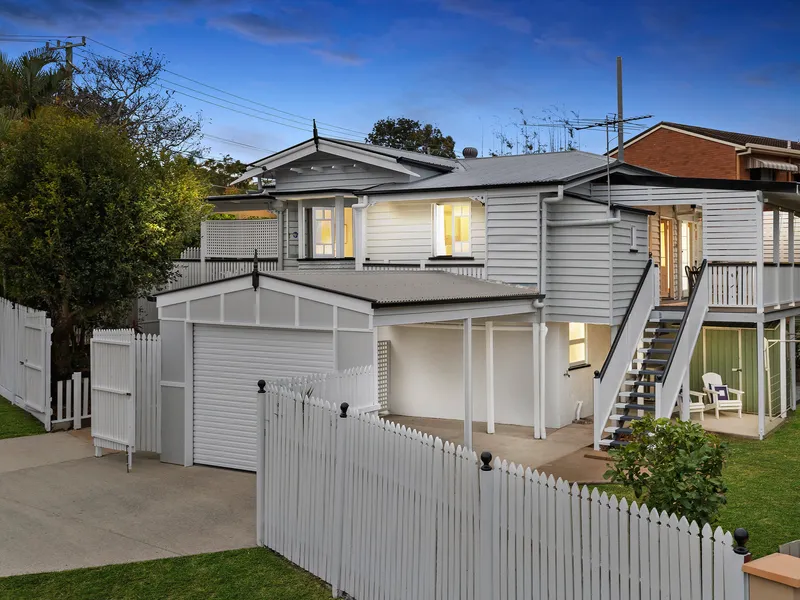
{"points": [[498, 171], [410, 155], [728, 137]]}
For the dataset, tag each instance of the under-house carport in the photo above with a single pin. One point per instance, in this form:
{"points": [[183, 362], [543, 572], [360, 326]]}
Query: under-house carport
{"points": [[220, 338]]}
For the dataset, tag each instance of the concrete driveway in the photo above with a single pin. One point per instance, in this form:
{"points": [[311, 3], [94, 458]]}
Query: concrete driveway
{"points": [[61, 508]]}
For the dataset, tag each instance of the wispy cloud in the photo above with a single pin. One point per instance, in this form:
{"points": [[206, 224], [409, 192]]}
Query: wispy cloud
{"points": [[773, 74], [339, 58], [581, 48], [263, 29], [491, 11]]}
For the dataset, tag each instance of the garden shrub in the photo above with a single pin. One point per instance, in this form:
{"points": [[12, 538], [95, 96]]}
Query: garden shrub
{"points": [[673, 466]]}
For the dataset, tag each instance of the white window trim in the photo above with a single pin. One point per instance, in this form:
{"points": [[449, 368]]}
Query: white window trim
{"points": [[585, 341], [436, 225]]}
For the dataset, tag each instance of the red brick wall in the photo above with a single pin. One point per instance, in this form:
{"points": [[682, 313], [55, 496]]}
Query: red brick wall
{"points": [[683, 155]]}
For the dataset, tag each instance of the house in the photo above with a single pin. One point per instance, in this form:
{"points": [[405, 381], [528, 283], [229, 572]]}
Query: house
{"points": [[692, 151], [513, 290]]}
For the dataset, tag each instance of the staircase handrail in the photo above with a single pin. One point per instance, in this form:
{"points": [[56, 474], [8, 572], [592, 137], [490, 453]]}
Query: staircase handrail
{"points": [[608, 381], [667, 389]]}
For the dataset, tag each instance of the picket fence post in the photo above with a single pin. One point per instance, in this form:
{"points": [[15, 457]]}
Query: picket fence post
{"points": [[338, 501], [486, 496], [261, 417], [77, 400]]}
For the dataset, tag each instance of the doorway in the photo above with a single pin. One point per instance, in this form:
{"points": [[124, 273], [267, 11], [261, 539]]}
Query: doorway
{"points": [[667, 258]]}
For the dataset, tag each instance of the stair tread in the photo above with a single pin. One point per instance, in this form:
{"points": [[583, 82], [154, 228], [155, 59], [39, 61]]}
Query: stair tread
{"points": [[612, 443], [659, 340], [631, 406], [637, 394], [656, 361], [637, 382], [644, 372], [624, 418]]}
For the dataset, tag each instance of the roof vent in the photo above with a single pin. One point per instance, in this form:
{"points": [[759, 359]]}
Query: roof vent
{"points": [[470, 152]]}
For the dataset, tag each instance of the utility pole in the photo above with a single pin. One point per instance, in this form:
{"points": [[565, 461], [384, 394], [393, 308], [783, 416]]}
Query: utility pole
{"points": [[620, 117], [67, 48]]}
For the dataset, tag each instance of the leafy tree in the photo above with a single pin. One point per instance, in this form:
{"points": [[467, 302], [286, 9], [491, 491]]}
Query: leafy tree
{"points": [[409, 134], [127, 93], [34, 79], [220, 173], [673, 466], [89, 221]]}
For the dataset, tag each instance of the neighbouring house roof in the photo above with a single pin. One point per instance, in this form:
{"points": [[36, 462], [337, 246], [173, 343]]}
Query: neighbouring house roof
{"points": [[730, 137], [785, 187], [498, 171], [399, 288]]}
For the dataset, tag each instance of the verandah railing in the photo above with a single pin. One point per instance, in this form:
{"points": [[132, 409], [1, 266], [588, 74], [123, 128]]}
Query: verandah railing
{"points": [[736, 285]]}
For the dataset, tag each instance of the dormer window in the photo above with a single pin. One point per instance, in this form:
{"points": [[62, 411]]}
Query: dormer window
{"points": [[451, 227]]}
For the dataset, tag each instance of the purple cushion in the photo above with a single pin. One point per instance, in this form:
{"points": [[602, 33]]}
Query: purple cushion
{"points": [[722, 392]]}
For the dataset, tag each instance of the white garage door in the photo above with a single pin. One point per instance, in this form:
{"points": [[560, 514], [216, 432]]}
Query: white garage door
{"points": [[228, 362]]}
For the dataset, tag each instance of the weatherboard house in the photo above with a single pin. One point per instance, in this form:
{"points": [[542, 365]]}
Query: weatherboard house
{"points": [[528, 290]]}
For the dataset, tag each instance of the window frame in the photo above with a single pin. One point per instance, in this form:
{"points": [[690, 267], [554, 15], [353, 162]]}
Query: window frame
{"points": [[573, 342], [438, 226], [314, 241]]}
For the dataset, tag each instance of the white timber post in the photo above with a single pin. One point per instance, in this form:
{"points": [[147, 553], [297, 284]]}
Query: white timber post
{"points": [[261, 420], [542, 379], [534, 378], [77, 400], [340, 432], [282, 237], [760, 376], [203, 243], [302, 246], [790, 256], [782, 347], [793, 362], [759, 284], [360, 231], [489, 377], [776, 253], [486, 497], [338, 227], [468, 382]]}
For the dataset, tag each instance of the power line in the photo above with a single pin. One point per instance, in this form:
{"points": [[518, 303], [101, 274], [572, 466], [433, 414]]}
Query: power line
{"points": [[242, 144], [327, 125]]}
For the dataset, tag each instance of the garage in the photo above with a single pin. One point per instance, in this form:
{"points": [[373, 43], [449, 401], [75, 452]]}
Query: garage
{"points": [[227, 360], [218, 339]]}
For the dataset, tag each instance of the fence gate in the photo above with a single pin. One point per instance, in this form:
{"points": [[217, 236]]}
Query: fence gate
{"points": [[35, 365], [113, 391]]}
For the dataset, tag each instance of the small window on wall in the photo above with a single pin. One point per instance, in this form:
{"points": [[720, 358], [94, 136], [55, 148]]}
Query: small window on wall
{"points": [[577, 344], [451, 226]]}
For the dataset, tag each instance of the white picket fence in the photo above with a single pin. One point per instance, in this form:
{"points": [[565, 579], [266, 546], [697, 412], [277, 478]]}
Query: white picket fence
{"points": [[25, 339], [126, 391], [354, 385], [381, 511], [73, 401]]}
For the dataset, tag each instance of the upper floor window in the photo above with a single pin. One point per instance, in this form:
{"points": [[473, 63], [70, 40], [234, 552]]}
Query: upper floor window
{"points": [[322, 242], [324, 228], [451, 226], [577, 344], [762, 174]]}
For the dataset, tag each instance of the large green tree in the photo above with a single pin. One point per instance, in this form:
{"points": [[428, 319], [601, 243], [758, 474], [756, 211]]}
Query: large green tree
{"points": [[409, 134], [88, 221]]}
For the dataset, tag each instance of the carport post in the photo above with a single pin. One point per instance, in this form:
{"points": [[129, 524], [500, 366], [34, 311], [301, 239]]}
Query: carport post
{"points": [[261, 416], [489, 377], [468, 382]]}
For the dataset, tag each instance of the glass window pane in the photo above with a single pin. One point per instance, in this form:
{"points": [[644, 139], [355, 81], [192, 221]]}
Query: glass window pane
{"points": [[577, 331], [323, 232], [462, 228], [328, 214], [348, 232], [577, 353], [448, 229]]}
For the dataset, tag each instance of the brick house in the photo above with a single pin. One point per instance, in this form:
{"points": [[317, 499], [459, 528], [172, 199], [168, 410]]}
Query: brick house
{"points": [[690, 151]]}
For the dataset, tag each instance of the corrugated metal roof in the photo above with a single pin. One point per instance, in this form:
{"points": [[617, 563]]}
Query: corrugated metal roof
{"points": [[391, 288], [505, 170]]}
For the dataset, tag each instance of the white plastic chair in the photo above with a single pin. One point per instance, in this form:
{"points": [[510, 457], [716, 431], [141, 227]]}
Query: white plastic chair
{"points": [[714, 379], [698, 404]]}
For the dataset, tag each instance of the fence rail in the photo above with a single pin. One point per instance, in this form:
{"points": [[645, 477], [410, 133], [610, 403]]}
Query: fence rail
{"points": [[72, 401], [382, 511]]}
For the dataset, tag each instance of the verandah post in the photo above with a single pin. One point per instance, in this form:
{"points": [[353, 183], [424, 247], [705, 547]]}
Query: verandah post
{"points": [[486, 499], [338, 500], [261, 461]]}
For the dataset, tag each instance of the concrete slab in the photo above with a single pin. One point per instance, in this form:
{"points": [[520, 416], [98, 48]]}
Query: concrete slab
{"points": [[509, 442], [90, 512], [45, 449]]}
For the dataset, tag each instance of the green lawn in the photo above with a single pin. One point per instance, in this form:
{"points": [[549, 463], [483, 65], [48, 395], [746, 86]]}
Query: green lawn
{"points": [[236, 574], [15, 422], [763, 479]]}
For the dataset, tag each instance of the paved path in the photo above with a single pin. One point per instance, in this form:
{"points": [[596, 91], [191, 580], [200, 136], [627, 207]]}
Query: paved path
{"points": [[83, 512]]}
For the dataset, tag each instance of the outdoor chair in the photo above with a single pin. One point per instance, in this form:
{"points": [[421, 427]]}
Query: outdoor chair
{"points": [[711, 384], [699, 402]]}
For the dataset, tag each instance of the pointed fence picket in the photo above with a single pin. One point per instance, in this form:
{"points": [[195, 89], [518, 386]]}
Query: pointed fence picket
{"points": [[381, 511]]}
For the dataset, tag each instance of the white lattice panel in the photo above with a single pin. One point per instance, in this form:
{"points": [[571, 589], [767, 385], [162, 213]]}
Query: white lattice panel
{"points": [[239, 239], [384, 350]]}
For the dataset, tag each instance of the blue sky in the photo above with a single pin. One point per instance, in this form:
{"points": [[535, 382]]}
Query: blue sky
{"points": [[464, 65]]}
